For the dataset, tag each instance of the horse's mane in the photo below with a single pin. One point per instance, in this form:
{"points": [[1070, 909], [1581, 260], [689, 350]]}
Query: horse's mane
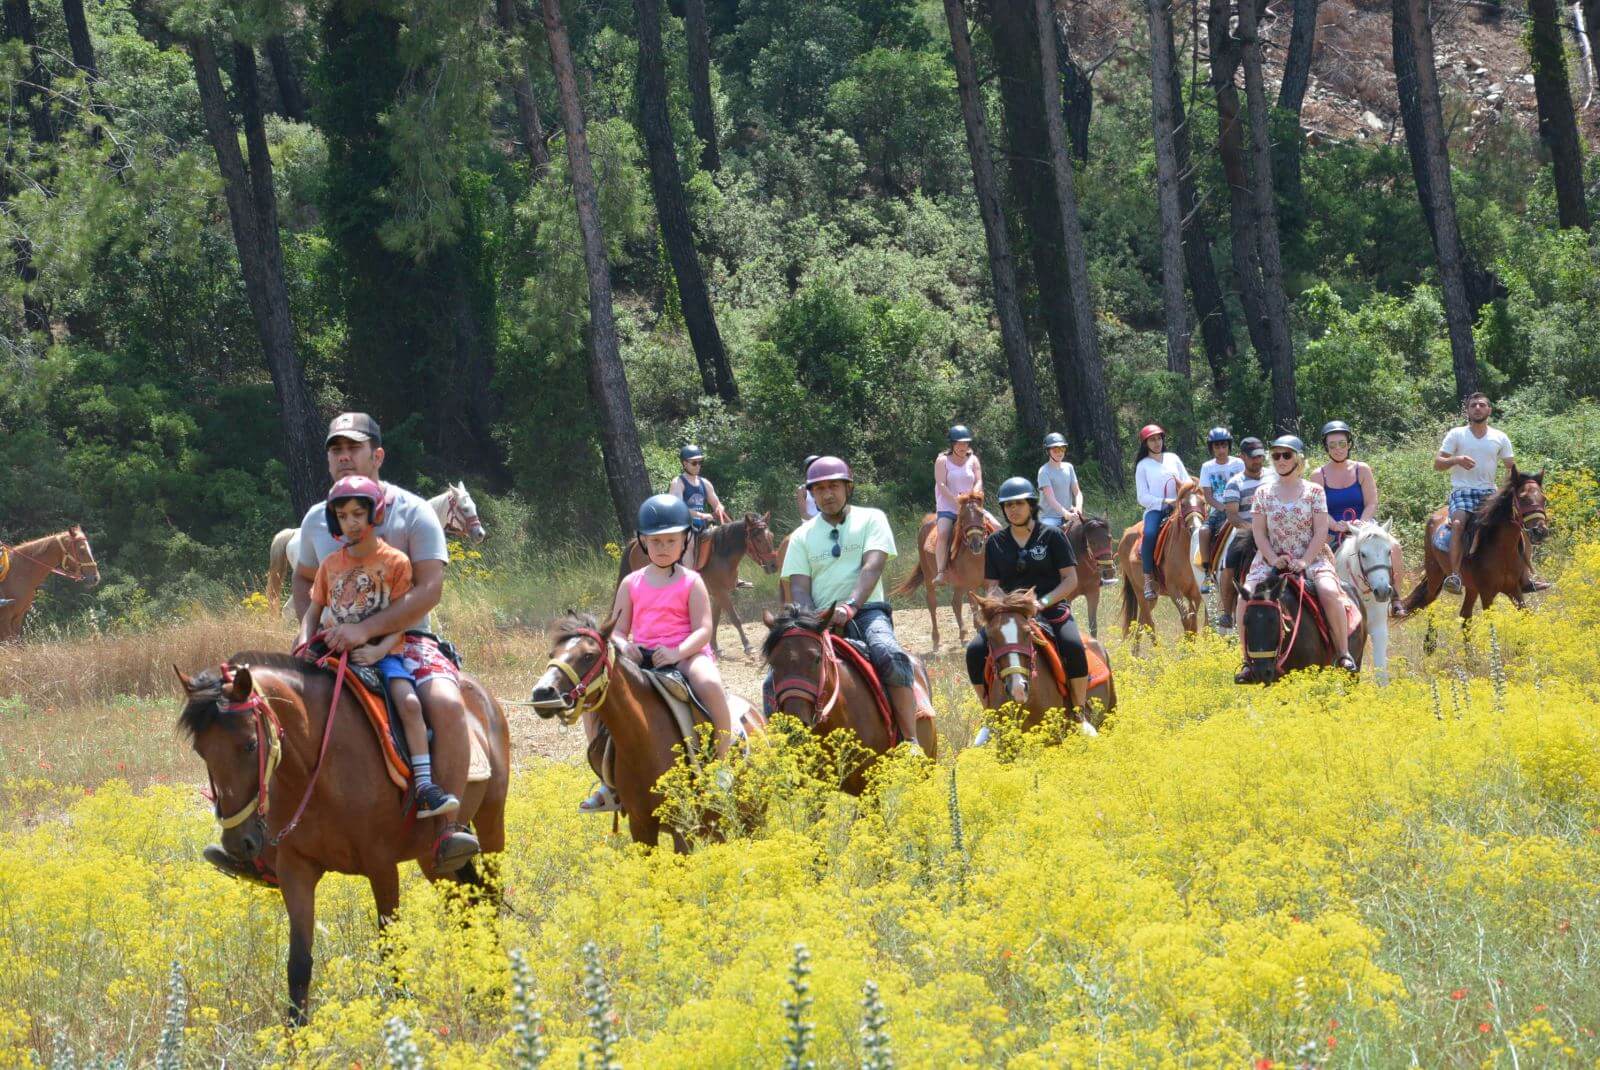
{"points": [[970, 496], [201, 710], [34, 545], [794, 616], [1014, 602], [572, 624], [1499, 508]]}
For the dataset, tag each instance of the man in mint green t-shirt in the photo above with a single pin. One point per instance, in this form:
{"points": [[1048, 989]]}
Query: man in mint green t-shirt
{"points": [[837, 558]]}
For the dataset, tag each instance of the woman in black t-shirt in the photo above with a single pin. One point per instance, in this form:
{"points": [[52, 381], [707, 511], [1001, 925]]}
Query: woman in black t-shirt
{"points": [[1028, 555]]}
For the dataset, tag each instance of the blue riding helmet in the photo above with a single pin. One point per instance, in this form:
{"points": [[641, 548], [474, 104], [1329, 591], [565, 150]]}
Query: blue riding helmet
{"points": [[691, 453], [1017, 489], [1219, 434], [1336, 427], [1054, 439], [662, 514], [959, 433]]}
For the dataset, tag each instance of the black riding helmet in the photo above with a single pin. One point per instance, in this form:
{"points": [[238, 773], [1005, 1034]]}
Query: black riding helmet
{"points": [[1055, 439], [1017, 489], [691, 453], [959, 433], [1336, 427]]}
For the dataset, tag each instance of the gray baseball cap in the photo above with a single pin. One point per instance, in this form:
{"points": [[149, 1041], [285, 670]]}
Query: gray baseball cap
{"points": [[356, 426]]}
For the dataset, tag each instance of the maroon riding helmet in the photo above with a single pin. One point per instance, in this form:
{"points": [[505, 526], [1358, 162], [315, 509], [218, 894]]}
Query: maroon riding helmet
{"points": [[356, 487], [825, 468]]}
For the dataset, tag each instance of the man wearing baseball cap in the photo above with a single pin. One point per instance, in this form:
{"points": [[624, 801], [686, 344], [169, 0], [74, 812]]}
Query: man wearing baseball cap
{"points": [[1237, 498], [355, 448]]}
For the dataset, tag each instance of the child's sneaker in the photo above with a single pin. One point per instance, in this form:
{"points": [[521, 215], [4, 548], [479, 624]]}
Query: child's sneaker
{"points": [[432, 800]]}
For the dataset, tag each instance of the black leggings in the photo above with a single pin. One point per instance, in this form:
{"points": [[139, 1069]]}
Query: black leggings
{"points": [[1069, 644]]}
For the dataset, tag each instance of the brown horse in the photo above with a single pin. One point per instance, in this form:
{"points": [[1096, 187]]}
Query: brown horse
{"points": [[1090, 537], [264, 729], [1176, 574], [1020, 673], [584, 675], [1500, 539], [965, 573], [813, 682], [720, 549], [1283, 630], [24, 568]]}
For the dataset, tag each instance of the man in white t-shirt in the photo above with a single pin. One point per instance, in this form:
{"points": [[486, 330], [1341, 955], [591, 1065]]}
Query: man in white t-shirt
{"points": [[1214, 476], [1472, 454]]}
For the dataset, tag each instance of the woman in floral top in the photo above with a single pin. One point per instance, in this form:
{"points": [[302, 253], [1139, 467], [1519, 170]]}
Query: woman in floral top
{"points": [[1290, 522]]}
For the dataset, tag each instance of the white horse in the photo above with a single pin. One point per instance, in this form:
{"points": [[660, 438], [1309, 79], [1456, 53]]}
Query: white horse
{"points": [[457, 512], [1364, 564]]}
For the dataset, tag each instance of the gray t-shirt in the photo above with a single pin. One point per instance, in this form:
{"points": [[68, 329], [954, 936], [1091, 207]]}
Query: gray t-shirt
{"points": [[410, 525], [1062, 481], [1242, 489]]}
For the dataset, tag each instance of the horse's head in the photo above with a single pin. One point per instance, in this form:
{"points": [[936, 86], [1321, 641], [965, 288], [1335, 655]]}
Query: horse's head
{"points": [[1191, 505], [236, 734], [461, 515], [577, 675], [758, 541], [805, 670], [77, 558], [1005, 623], [1262, 628], [1097, 538], [1370, 544], [971, 525], [1530, 506]]}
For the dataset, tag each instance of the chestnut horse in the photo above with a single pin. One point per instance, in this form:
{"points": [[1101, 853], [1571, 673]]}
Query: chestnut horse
{"points": [[1500, 539], [1281, 633], [264, 729], [826, 692], [1019, 673], [1177, 575], [586, 674], [729, 543], [965, 572], [1090, 537], [24, 568]]}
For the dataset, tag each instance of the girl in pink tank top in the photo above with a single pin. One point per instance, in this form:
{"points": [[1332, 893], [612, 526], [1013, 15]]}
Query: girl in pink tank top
{"points": [[664, 608]]}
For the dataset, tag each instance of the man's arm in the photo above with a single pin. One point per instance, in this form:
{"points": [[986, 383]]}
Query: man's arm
{"points": [[873, 563], [303, 579], [404, 612], [1443, 461], [800, 591], [718, 513]]}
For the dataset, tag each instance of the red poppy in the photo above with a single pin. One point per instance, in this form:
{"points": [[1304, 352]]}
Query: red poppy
{"points": [[1460, 993], [444, 1030], [1333, 1023], [1537, 1007], [1484, 1027], [1264, 1064], [1332, 1043]]}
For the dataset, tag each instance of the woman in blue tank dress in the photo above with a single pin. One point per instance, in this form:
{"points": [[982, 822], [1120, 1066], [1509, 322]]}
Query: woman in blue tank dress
{"points": [[1352, 491]]}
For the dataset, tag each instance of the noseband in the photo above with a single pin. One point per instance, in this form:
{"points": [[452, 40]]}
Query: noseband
{"points": [[588, 692], [455, 519], [804, 686], [1024, 651]]}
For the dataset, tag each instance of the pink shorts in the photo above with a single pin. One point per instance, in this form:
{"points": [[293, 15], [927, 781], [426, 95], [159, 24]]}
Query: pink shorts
{"points": [[425, 660]]}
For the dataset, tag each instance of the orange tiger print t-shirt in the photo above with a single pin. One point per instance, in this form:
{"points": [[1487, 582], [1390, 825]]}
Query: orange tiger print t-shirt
{"points": [[353, 589]]}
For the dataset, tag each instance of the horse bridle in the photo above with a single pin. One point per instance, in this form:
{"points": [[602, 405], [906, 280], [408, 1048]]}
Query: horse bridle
{"points": [[1521, 516], [75, 540], [1023, 649], [455, 518], [269, 752], [812, 691], [754, 550], [963, 530], [588, 691], [1363, 573]]}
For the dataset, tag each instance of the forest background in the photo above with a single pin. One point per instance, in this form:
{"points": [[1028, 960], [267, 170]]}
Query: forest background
{"points": [[818, 226]]}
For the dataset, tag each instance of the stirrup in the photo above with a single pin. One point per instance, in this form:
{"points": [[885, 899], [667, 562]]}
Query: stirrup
{"points": [[1453, 584]]}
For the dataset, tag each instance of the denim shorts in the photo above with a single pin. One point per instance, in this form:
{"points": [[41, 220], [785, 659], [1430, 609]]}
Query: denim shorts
{"points": [[945, 514], [393, 668]]}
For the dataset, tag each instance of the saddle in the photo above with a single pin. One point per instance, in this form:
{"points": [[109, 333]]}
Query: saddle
{"points": [[1163, 536], [1099, 671], [688, 711], [364, 684]]}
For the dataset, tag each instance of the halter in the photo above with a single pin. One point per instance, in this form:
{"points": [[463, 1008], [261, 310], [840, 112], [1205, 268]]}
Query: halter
{"points": [[588, 692], [1362, 582], [269, 750], [803, 686], [71, 537], [454, 515]]}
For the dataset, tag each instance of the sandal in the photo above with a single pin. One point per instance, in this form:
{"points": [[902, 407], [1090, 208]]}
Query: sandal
{"points": [[601, 801]]}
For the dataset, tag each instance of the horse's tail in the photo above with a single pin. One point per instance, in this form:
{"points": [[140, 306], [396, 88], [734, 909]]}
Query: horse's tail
{"points": [[622, 565], [278, 567], [1130, 606], [912, 581]]}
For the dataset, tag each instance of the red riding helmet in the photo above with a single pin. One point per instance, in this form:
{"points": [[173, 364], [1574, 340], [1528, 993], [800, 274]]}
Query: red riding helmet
{"points": [[1149, 430], [825, 468], [356, 487]]}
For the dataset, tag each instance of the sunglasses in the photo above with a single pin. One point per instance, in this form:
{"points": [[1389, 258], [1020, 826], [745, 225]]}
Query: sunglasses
{"points": [[833, 533], [694, 464], [1278, 455]]}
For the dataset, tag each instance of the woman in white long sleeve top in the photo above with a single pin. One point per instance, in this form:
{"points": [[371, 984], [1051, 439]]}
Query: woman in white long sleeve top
{"points": [[1157, 477]]}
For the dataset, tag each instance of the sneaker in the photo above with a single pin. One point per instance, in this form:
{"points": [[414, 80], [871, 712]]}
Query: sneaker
{"points": [[982, 738], [432, 800], [1149, 590], [1224, 622], [1452, 583], [1535, 585], [1347, 663], [455, 849], [238, 868], [745, 585], [1397, 611], [601, 801]]}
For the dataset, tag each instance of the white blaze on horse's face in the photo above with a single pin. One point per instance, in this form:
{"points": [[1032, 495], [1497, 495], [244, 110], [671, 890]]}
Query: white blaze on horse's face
{"points": [[1011, 635], [1372, 548], [469, 513]]}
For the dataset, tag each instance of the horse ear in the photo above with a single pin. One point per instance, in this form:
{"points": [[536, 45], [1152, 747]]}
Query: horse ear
{"points": [[768, 619], [1538, 477], [185, 679], [238, 689], [609, 626], [766, 517]]}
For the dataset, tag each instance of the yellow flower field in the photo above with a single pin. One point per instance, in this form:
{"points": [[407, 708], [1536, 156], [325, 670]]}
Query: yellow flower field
{"points": [[1322, 874]]}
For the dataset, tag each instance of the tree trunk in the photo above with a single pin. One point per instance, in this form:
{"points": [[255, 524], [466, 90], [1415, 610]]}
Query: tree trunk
{"points": [[290, 95], [1246, 258], [1089, 378], [32, 96], [700, 103], [1558, 126], [521, 77], [1589, 10], [1077, 92], [608, 385], [1417, 82], [1285, 405], [78, 38], [1162, 122], [1291, 97], [1013, 333], [672, 212], [253, 212], [1216, 328]]}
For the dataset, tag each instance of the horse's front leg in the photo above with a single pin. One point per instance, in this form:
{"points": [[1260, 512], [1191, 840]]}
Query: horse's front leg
{"points": [[957, 596], [1091, 600], [932, 594], [733, 615], [297, 880], [1378, 632]]}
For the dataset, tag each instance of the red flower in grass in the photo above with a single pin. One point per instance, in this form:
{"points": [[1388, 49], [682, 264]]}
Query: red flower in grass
{"points": [[1485, 1027], [1538, 1007], [1264, 1064], [1332, 1043], [1460, 993]]}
